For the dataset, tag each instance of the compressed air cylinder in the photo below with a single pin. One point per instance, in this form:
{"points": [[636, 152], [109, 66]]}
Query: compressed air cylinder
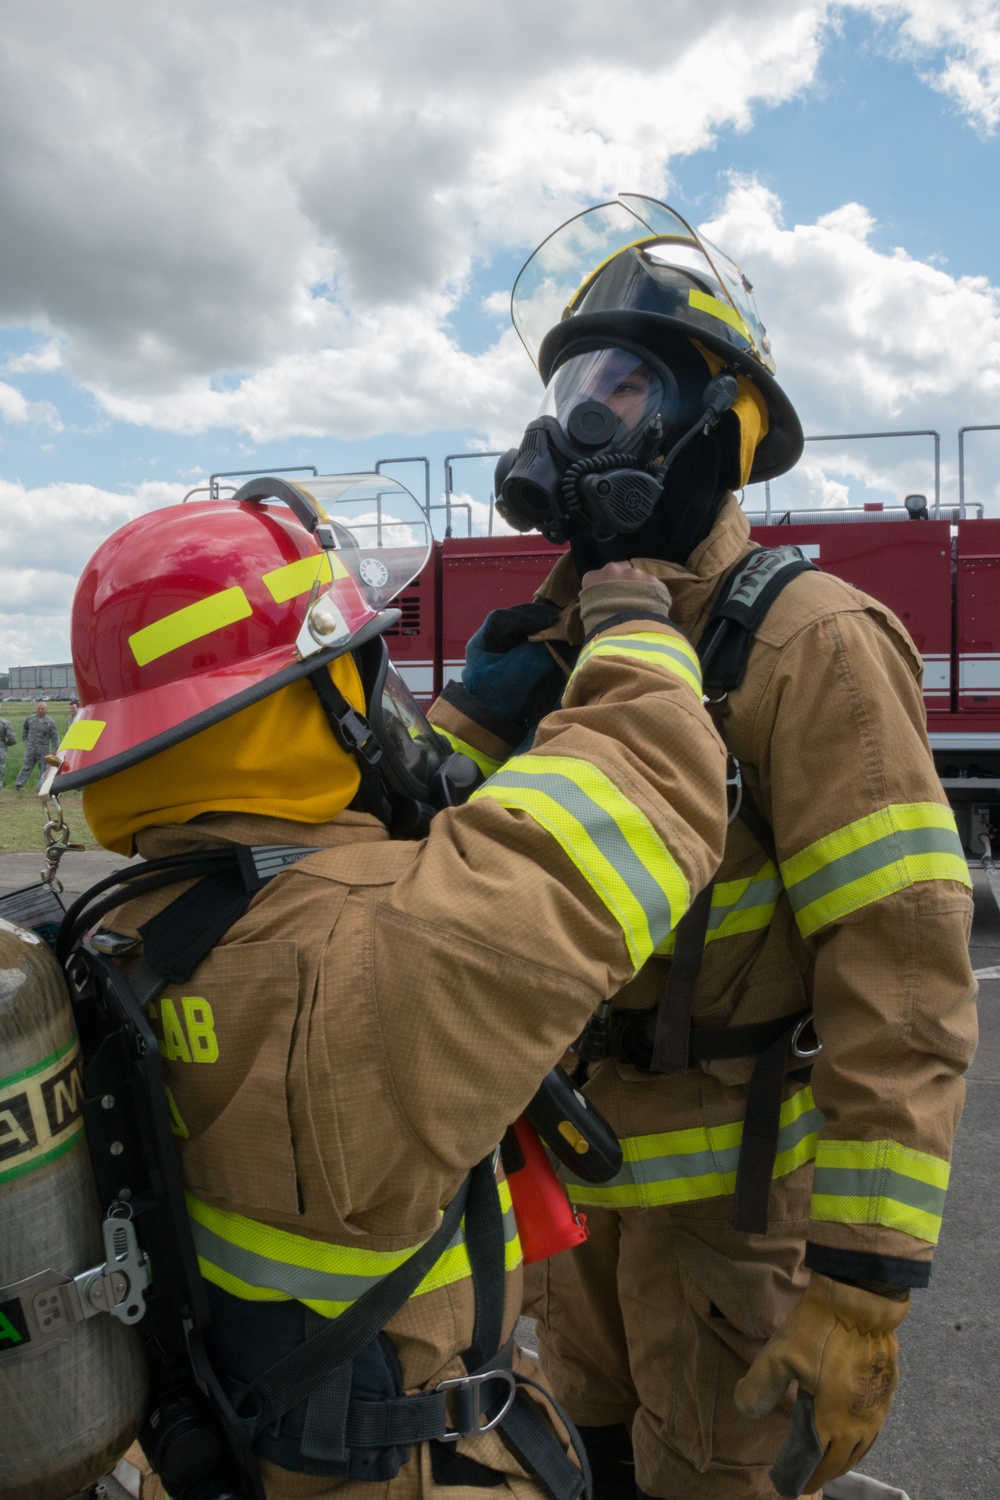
{"points": [[68, 1409]]}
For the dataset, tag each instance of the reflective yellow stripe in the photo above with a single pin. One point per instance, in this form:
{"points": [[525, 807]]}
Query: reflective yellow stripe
{"points": [[718, 309], [485, 762], [189, 624], [653, 649], [83, 734], [871, 858], [610, 840], [739, 906], [685, 1166], [262, 1264], [298, 577], [880, 1182]]}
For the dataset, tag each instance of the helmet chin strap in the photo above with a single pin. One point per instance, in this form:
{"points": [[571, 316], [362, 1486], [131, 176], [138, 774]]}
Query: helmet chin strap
{"points": [[355, 735], [682, 519]]}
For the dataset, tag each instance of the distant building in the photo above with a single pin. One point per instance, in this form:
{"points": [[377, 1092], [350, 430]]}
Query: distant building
{"points": [[57, 678]]}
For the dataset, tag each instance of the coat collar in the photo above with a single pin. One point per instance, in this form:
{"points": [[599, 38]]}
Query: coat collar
{"points": [[693, 586]]}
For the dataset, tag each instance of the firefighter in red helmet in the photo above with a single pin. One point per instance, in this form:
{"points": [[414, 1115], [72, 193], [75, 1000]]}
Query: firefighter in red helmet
{"points": [[342, 1065], [785, 1072]]}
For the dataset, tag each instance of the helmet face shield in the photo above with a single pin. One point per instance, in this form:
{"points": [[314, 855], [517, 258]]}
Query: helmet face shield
{"points": [[381, 533], [635, 273], [563, 278]]}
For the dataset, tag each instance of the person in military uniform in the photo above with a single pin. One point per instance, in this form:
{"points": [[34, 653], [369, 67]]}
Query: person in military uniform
{"points": [[41, 738], [7, 739], [786, 1164], [360, 1038]]}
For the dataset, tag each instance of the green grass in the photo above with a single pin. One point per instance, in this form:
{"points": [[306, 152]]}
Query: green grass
{"points": [[21, 813]]}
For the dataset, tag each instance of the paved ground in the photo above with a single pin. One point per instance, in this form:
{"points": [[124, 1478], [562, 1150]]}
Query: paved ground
{"points": [[76, 871], [942, 1441]]}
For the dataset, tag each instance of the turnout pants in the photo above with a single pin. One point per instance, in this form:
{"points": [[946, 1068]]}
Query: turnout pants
{"points": [[653, 1320]]}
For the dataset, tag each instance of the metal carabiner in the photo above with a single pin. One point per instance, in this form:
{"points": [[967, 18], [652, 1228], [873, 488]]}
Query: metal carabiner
{"points": [[734, 789], [804, 1052]]}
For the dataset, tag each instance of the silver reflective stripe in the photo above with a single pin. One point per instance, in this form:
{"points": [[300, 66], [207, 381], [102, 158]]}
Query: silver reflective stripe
{"points": [[868, 860], [874, 1183], [305, 1283]]}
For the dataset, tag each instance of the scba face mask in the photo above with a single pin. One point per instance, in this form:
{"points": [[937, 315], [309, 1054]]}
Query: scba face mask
{"points": [[594, 460], [418, 773]]}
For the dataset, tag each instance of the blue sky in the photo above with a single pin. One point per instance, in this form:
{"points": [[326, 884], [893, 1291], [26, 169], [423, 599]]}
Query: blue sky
{"points": [[234, 240]]}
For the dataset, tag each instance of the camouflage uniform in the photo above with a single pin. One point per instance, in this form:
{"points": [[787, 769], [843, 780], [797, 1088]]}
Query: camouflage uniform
{"points": [[7, 738], [41, 738]]}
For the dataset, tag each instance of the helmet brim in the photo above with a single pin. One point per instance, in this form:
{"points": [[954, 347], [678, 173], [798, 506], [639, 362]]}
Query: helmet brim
{"points": [[778, 451], [134, 730]]}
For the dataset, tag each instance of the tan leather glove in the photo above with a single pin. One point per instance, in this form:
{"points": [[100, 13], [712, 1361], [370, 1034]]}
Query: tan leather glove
{"points": [[839, 1343]]}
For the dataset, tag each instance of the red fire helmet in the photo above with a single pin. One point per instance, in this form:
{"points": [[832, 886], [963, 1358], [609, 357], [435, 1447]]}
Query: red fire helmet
{"points": [[191, 613]]}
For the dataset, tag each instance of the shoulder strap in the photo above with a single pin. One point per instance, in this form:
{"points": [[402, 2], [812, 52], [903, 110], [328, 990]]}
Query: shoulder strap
{"points": [[748, 594], [724, 650]]}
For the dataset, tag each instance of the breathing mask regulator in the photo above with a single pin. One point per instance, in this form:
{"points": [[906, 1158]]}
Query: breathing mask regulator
{"points": [[646, 336], [595, 460], [418, 772]]}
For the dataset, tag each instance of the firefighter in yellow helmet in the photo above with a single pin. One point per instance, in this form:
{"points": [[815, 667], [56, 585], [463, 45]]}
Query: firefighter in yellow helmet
{"points": [[786, 1165], [342, 1065]]}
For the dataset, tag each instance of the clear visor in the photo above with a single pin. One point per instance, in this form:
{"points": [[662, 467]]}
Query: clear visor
{"points": [[556, 278], [630, 387], [382, 535], [414, 754]]}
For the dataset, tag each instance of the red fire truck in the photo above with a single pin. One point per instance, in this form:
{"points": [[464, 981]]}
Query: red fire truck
{"points": [[938, 569], [940, 576]]}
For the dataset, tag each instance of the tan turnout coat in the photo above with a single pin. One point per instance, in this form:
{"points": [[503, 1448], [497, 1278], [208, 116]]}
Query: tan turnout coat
{"points": [[362, 1036]]}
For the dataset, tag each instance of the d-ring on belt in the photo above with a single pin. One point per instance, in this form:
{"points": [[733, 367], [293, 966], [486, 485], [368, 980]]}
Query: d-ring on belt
{"points": [[772, 1042]]}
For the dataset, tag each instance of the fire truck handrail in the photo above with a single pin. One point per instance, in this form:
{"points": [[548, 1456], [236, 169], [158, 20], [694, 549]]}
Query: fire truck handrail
{"points": [[843, 513], [839, 437], [417, 459], [213, 479], [975, 427], [449, 489]]}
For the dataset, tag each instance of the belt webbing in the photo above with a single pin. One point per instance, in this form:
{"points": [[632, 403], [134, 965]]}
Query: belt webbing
{"points": [[673, 1013], [292, 1378], [761, 1123]]}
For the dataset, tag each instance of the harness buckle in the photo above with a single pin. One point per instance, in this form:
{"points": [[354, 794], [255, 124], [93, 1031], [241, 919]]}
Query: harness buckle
{"points": [[468, 1410], [804, 1052]]}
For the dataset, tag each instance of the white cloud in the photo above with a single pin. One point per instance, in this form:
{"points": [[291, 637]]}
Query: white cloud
{"points": [[64, 523], [263, 219], [866, 340], [192, 192], [43, 360], [15, 407], [956, 45]]}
